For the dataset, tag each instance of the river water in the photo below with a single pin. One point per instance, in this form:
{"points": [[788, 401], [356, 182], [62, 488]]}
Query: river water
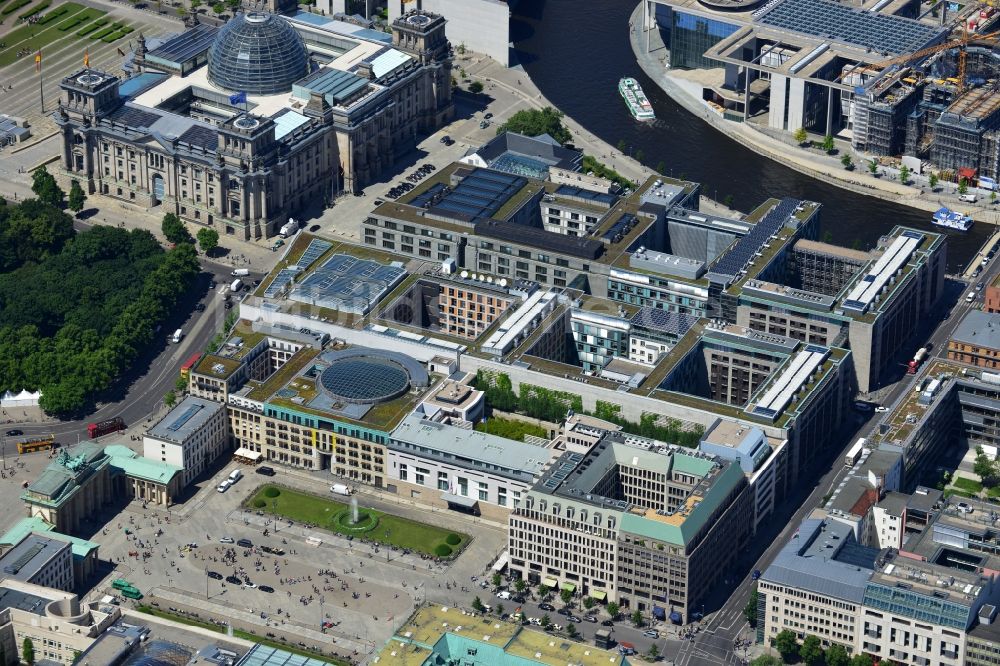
{"points": [[576, 50]]}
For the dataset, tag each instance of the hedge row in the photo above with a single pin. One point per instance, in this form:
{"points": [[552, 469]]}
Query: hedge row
{"points": [[104, 32], [87, 29], [72, 23], [53, 15], [35, 10], [14, 6], [113, 37]]}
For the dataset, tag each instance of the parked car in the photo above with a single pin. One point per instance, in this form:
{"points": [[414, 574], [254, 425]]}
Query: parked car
{"points": [[227, 539], [266, 588], [651, 633], [608, 623], [15, 433], [574, 619], [503, 594], [314, 227], [881, 409], [214, 575], [488, 115], [233, 580], [562, 611], [224, 486], [245, 543], [546, 607], [590, 618], [266, 471]]}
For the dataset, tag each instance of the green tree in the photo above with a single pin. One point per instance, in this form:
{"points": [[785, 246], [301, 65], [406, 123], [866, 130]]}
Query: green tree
{"points": [[461, 49], [195, 4], [588, 602], [653, 653], [543, 590], [76, 196], [800, 135], [477, 605], [811, 651], [500, 609], [873, 167], [963, 186], [613, 609], [993, 197], [661, 167], [750, 610], [546, 620], [861, 660], [639, 155], [565, 595], [520, 586], [768, 660], [174, 229], [828, 145], [496, 579], [620, 145], [533, 122], [637, 618], [218, 8], [727, 201], [932, 180], [847, 161], [904, 174], [28, 651], [476, 87], [182, 11], [985, 468], [836, 655], [208, 239], [181, 384], [170, 399], [786, 645], [45, 187], [571, 630]]}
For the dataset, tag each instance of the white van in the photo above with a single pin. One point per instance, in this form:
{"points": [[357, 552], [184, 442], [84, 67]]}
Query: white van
{"points": [[240, 272], [340, 489], [971, 297], [224, 486], [968, 198], [236, 285], [178, 335], [235, 476]]}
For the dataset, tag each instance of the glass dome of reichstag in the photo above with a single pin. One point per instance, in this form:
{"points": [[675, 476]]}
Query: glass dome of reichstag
{"points": [[257, 53]]}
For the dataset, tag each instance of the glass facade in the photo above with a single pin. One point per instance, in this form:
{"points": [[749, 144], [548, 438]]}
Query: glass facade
{"points": [[691, 36], [259, 54]]}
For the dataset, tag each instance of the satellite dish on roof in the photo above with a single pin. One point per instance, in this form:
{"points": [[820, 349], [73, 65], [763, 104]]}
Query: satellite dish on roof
{"points": [[464, 274], [489, 279], [503, 282]]}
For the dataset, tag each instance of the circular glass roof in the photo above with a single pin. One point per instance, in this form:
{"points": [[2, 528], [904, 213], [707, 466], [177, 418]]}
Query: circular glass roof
{"points": [[257, 53], [365, 379]]}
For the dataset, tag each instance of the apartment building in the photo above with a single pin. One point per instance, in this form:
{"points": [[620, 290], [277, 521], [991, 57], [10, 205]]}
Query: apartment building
{"points": [[633, 521], [976, 340], [466, 310], [191, 436], [40, 560]]}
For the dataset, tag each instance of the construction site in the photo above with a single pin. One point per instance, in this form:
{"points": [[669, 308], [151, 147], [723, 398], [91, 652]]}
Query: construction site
{"points": [[892, 77]]}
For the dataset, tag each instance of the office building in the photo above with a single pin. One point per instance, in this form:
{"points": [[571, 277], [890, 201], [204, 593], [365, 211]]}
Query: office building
{"points": [[191, 436], [85, 553], [438, 463], [632, 521], [976, 340], [288, 112], [41, 560], [59, 625], [539, 157]]}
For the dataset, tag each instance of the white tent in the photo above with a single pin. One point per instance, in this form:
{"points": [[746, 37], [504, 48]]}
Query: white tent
{"points": [[22, 399]]}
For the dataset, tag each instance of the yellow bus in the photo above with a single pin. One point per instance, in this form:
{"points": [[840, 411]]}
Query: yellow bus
{"points": [[37, 443]]}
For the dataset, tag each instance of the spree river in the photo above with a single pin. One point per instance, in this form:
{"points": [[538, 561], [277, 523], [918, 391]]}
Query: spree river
{"points": [[576, 50]]}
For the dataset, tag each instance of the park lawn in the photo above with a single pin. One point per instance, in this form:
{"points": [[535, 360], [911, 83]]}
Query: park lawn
{"points": [[78, 20], [968, 485], [319, 511], [38, 37]]}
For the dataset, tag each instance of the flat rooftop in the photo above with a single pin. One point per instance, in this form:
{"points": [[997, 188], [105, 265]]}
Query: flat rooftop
{"points": [[185, 419], [428, 624], [825, 19], [979, 328], [498, 455], [31, 555]]}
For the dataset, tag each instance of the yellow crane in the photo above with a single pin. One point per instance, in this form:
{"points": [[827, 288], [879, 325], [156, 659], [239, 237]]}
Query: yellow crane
{"points": [[960, 44]]}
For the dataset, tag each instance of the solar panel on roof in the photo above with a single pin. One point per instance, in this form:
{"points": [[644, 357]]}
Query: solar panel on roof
{"points": [[181, 420], [829, 20], [316, 248], [203, 137], [133, 117], [740, 254]]}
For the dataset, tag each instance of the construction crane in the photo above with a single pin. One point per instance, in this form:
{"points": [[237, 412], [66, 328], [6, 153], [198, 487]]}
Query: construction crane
{"points": [[960, 44]]}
